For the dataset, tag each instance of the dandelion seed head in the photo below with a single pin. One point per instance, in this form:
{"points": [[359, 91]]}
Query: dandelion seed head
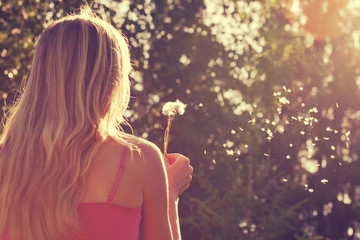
{"points": [[171, 108]]}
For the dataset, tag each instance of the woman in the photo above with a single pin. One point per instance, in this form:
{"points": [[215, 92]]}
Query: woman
{"points": [[67, 171]]}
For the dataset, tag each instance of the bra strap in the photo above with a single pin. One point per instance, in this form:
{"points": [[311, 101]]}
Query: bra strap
{"points": [[117, 180]]}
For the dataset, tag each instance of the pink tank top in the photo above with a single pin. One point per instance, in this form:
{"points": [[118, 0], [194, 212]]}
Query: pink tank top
{"points": [[106, 220]]}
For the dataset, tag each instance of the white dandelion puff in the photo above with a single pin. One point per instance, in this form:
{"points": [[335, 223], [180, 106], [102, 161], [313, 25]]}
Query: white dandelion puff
{"points": [[172, 108]]}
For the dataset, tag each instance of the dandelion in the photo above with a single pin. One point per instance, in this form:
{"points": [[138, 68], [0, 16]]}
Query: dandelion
{"points": [[324, 181], [170, 109]]}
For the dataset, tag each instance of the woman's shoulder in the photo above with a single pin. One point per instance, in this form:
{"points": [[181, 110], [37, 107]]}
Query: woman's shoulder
{"points": [[145, 160], [143, 151]]}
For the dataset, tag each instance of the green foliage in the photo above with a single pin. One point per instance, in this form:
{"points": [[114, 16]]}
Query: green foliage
{"points": [[21, 23], [272, 123]]}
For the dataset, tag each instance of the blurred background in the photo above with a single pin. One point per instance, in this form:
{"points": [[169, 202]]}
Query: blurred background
{"points": [[273, 115]]}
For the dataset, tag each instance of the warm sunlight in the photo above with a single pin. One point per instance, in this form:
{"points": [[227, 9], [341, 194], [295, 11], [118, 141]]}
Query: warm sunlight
{"points": [[323, 18], [272, 121]]}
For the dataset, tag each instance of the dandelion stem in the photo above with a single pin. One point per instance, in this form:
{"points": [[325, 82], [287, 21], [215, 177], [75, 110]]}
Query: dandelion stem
{"points": [[167, 133]]}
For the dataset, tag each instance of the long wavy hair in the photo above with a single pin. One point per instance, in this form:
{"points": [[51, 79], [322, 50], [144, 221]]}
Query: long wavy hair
{"points": [[73, 98]]}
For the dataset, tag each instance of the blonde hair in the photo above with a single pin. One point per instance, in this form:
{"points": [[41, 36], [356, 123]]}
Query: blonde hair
{"points": [[75, 96]]}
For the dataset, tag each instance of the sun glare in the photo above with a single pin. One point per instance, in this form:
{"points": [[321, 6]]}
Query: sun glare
{"points": [[323, 19]]}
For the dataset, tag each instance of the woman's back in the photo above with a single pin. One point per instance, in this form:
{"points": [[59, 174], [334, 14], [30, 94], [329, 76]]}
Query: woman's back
{"points": [[112, 203], [104, 170], [123, 187]]}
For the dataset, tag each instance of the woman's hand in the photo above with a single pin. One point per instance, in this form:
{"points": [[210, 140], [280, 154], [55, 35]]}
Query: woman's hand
{"points": [[179, 172]]}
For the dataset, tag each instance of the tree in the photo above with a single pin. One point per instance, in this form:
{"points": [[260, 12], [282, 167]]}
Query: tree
{"points": [[273, 113]]}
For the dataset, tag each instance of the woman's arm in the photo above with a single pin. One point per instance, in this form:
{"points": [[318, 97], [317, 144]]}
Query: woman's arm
{"points": [[155, 223], [179, 176], [163, 183]]}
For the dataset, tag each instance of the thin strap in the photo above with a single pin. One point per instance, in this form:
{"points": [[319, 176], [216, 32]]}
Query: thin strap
{"points": [[117, 180]]}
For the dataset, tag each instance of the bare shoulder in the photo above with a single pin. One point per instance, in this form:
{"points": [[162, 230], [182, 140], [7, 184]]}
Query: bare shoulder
{"points": [[143, 161], [148, 159], [145, 151]]}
